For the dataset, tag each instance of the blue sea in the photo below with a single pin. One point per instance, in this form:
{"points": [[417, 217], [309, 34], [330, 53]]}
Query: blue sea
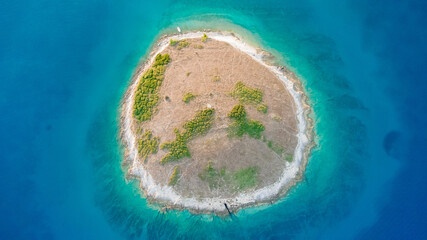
{"points": [[65, 65]]}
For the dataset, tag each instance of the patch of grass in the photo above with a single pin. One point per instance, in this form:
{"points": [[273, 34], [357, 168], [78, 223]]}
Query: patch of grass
{"points": [[241, 179], [198, 46], [242, 125], [173, 179], [146, 94], [289, 158], [188, 97], [199, 125], [147, 145], [204, 37], [212, 176], [276, 148], [262, 108], [245, 178], [252, 127]]}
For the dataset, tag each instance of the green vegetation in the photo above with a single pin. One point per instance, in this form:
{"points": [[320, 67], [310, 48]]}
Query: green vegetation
{"points": [[242, 125], [188, 97], [146, 96], [188, 73], [246, 94], [204, 37], [199, 125], [177, 149], [262, 108], [238, 112], [174, 177], [241, 179], [212, 176], [276, 148], [173, 42], [198, 46], [181, 43], [249, 95], [289, 157], [147, 145], [138, 131], [245, 178]]}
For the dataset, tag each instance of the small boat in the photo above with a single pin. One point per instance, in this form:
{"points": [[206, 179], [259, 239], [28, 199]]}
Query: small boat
{"points": [[179, 29]]}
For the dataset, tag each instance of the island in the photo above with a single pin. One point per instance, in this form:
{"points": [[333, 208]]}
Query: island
{"points": [[210, 125]]}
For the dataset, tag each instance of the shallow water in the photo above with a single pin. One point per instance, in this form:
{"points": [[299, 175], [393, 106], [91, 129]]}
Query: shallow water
{"points": [[66, 65]]}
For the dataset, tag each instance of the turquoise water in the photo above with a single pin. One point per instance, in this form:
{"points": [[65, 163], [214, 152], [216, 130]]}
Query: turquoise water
{"points": [[66, 65]]}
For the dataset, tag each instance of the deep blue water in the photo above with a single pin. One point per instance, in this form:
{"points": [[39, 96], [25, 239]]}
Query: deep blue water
{"points": [[64, 66]]}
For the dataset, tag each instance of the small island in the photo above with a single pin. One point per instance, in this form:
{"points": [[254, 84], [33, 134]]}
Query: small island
{"points": [[208, 124]]}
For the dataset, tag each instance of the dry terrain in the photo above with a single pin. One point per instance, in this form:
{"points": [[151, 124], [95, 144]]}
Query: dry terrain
{"points": [[210, 70]]}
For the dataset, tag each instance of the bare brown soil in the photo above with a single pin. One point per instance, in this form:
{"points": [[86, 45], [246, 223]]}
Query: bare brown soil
{"points": [[211, 73]]}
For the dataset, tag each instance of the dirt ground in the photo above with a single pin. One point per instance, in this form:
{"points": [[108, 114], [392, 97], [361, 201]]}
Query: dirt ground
{"points": [[211, 73]]}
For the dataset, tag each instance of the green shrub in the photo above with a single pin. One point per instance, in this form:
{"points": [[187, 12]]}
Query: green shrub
{"points": [[173, 42], [204, 37], [262, 108], [139, 130], [199, 125], [173, 179], [183, 44], [242, 125], [249, 95], [289, 158], [147, 145], [254, 129], [238, 112], [146, 94], [161, 60], [246, 94], [188, 73], [177, 149], [180, 43], [188, 97]]}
